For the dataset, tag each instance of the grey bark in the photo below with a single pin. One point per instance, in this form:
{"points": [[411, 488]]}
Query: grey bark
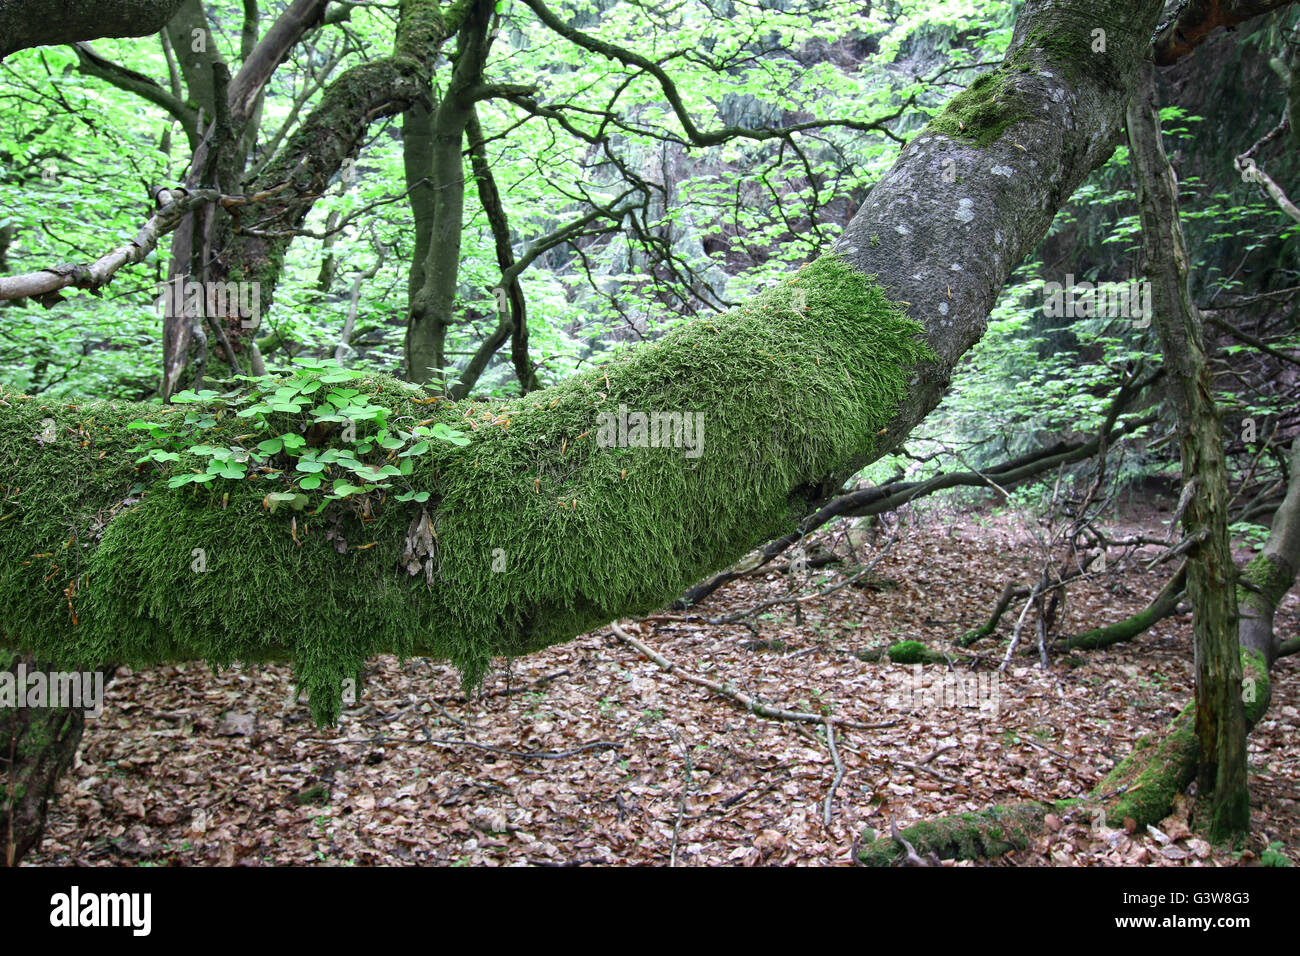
{"points": [[30, 23], [944, 228]]}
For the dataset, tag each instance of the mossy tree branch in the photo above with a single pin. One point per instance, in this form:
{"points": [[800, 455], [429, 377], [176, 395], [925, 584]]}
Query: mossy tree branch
{"points": [[1161, 606], [799, 389]]}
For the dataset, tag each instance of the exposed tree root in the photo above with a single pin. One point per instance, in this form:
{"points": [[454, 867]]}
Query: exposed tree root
{"points": [[1162, 606]]}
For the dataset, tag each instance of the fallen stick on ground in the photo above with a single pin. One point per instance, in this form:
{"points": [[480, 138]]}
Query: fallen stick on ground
{"points": [[739, 697]]}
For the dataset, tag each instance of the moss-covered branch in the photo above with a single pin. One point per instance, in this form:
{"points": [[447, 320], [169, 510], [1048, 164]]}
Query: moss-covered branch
{"points": [[1161, 606], [535, 532], [966, 836]]}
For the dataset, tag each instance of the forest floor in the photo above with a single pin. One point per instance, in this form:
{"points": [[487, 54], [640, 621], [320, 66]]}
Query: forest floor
{"points": [[589, 753]]}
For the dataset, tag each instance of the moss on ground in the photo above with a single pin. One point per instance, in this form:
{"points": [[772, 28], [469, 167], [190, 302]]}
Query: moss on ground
{"points": [[535, 534], [909, 652], [965, 836]]}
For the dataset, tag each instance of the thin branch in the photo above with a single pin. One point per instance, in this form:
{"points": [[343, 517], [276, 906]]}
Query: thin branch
{"points": [[739, 697], [839, 774], [696, 136], [174, 205]]}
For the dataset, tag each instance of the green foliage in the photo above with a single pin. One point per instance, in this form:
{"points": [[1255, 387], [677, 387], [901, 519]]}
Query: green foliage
{"points": [[1249, 533], [763, 208], [307, 408], [1273, 855]]}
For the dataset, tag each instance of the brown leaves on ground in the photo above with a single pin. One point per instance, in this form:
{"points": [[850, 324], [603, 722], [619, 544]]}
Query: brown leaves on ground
{"points": [[186, 767]]}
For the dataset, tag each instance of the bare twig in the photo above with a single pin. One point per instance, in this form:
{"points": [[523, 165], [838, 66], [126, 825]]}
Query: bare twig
{"points": [[681, 803], [174, 205], [912, 858], [839, 774], [739, 697]]}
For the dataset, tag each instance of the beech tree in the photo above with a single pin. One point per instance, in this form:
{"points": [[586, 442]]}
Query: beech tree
{"points": [[510, 528], [30, 23]]}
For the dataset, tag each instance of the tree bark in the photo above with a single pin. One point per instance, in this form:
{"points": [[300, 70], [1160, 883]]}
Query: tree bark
{"points": [[36, 745], [1211, 574], [29, 23], [1267, 578], [433, 303]]}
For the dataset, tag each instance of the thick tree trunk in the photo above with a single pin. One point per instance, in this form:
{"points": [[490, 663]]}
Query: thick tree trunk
{"points": [[1211, 574]]}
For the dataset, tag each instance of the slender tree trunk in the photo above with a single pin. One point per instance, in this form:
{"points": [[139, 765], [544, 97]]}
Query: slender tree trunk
{"points": [[829, 374], [433, 303], [1267, 578], [1211, 574]]}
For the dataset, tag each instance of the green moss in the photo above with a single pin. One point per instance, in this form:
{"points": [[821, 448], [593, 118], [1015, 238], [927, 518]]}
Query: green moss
{"points": [[909, 652], [540, 533], [1266, 579], [983, 111], [1146, 782], [1068, 51], [966, 836], [1256, 689], [65, 472], [316, 795]]}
